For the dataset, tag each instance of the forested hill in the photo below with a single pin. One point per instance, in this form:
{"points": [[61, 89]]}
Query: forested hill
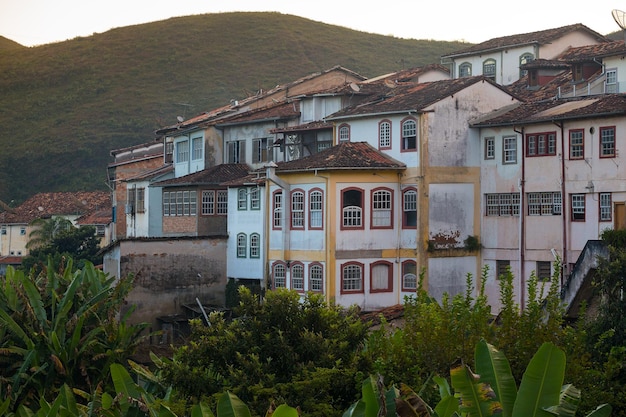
{"points": [[64, 106]]}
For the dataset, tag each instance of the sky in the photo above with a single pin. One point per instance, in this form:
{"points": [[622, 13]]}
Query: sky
{"points": [[38, 22]]}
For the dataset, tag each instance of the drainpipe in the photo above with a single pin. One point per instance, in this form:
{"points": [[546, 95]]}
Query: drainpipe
{"points": [[563, 200], [270, 175], [522, 223], [399, 238]]}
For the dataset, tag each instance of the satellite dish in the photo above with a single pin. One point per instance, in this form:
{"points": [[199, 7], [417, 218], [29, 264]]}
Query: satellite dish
{"points": [[390, 84], [180, 119], [620, 18], [355, 87]]}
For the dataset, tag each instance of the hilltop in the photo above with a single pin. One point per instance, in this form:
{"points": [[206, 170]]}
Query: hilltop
{"points": [[65, 105]]}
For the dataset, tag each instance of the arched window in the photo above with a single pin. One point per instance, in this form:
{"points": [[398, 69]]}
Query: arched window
{"points": [[242, 199], [344, 133], [297, 276], [279, 275], [381, 276], [352, 277], [409, 208], [382, 208], [316, 209], [384, 135], [242, 243], [316, 278], [255, 245], [489, 68], [352, 208], [465, 69], [297, 209], [409, 276], [524, 59], [409, 135]]}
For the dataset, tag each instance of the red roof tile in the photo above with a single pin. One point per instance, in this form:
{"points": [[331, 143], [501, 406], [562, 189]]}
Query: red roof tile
{"points": [[346, 155], [46, 205], [215, 175]]}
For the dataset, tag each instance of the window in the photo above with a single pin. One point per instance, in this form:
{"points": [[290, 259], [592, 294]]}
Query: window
{"points": [[196, 152], [409, 135], [611, 81], [578, 207], [23, 231], [211, 206], [297, 209], [576, 144], [544, 204], [141, 200], [607, 142], [382, 209], [316, 209], [255, 245], [297, 277], [543, 271], [384, 135], [280, 280], [352, 277], [541, 144], [344, 133], [409, 208], [502, 204], [242, 199], [352, 208], [100, 230], [169, 152], [179, 203], [259, 150], [255, 199], [316, 278], [409, 276], [523, 60], [465, 69], [208, 203], [3, 230], [277, 210], [381, 276], [502, 268], [182, 151], [606, 207], [236, 152], [242, 243], [222, 202], [509, 150], [489, 69], [490, 147]]}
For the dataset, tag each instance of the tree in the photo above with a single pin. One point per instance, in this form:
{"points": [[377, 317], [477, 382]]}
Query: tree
{"points": [[46, 230], [61, 327], [79, 243]]}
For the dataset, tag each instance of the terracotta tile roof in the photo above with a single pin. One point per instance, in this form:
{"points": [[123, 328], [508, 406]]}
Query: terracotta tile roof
{"points": [[152, 173], [215, 175], [540, 37], [257, 177], [589, 52], [546, 63], [317, 125], [346, 155], [390, 314], [104, 216], [233, 108], [282, 111], [606, 105], [414, 97], [46, 205], [410, 75], [10, 260]]}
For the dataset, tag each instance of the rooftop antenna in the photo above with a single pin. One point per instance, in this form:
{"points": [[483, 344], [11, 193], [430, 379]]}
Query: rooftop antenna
{"points": [[620, 18]]}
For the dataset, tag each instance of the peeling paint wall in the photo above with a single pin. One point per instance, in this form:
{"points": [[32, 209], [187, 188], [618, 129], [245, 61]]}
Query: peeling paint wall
{"points": [[451, 214], [169, 274]]}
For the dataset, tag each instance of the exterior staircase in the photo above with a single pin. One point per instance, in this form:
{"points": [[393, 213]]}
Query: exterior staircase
{"points": [[578, 287]]}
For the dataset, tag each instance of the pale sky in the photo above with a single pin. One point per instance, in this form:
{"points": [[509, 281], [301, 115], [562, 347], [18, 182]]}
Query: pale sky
{"points": [[37, 22]]}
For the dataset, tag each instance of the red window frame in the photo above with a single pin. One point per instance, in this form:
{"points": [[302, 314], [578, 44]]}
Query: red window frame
{"points": [[391, 218], [293, 193], [389, 266], [311, 266], [404, 219], [343, 192], [311, 191], [341, 272], [380, 125]]}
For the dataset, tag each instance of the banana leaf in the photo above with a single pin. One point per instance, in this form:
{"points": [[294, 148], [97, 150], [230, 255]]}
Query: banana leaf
{"points": [[494, 369]]}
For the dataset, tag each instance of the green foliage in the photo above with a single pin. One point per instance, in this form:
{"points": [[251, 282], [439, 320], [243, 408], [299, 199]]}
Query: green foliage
{"points": [[74, 101], [280, 349], [60, 328], [78, 243]]}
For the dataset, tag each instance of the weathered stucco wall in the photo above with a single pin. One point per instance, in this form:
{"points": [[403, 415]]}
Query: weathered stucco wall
{"points": [[171, 273]]}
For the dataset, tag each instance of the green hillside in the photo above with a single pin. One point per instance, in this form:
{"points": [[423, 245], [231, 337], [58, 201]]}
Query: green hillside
{"points": [[65, 105]]}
